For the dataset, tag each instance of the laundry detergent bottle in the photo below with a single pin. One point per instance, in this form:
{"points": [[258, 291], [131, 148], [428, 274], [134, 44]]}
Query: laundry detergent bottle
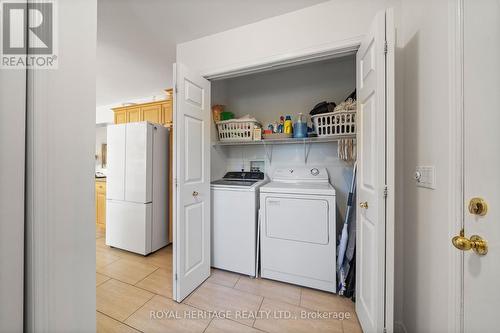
{"points": [[288, 125], [300, 127]]}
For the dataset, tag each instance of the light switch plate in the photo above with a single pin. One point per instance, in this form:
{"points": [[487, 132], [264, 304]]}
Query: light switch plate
{"points": [[425, 176]]}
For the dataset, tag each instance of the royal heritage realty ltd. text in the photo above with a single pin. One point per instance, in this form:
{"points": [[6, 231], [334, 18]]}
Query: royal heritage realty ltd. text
{"points": [[243, 314]]}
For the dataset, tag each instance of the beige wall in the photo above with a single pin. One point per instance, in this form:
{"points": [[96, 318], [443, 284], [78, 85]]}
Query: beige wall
{"points": [[423, 42]]}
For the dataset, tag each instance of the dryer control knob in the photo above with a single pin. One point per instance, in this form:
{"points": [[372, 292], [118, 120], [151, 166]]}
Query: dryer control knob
{"points": [[314, 172]]}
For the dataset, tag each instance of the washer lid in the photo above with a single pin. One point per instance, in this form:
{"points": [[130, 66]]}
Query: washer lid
{"points": [[237, 185], [310, 188], [231, 182]]}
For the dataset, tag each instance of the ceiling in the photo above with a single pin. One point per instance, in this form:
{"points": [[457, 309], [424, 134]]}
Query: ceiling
{"points": [[136, 39]]}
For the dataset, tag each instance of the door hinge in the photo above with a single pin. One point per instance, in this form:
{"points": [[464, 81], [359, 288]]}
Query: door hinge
{"points": [[176, 90], [175, 276], [176, 182], [386, 191], [385, 47]]}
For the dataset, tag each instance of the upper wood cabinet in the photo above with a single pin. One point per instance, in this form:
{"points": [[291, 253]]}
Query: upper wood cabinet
{"points": [[134, 115], [120, 116], [159, 112], [152, 113]]}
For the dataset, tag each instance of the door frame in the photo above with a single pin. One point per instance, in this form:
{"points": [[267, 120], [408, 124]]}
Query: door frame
{"points": [[309, 55], [13, 103], [456, 163], [332, 50], [293, 58]]}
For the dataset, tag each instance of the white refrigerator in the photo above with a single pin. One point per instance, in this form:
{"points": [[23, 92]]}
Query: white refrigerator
{"points": [[137, 187]]}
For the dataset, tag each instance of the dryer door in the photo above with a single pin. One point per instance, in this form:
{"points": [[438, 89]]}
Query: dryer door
{"points": [[298, 219], [298, 239]]}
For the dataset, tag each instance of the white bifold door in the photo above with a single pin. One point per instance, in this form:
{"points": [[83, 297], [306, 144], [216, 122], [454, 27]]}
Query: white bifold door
{"points": [[192, 118], [375, 212]]}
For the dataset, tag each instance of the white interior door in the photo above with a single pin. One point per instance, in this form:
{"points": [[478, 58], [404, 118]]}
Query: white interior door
{"points": [[482, 161], [192, 175], [374, 243]]}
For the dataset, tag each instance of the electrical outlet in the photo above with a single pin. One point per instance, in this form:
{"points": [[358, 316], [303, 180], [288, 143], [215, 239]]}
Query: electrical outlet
{"points": [[425, 176]]}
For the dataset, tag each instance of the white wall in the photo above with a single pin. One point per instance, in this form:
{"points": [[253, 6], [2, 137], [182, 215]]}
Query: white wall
{"points": [[133, 60], [284, 156], [104, 114], [60, 180], [136, 40], [12, 145], [288, 91], [424, 43], [312, 27]]}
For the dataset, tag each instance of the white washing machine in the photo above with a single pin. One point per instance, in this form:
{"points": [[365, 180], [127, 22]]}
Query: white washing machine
{"points": [[235, 205], [298, 242]]}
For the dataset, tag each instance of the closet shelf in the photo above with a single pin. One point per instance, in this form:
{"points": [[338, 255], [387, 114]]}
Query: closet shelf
{"points": [[284, 141]]}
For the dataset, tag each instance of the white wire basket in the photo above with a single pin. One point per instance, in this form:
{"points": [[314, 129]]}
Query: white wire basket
{"points": [[236, 129], [331, 124]]}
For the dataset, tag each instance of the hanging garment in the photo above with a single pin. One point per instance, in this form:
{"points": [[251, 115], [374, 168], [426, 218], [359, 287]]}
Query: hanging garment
{"points": [[350, 283], [349, 266], [346, 149], [342, 261]]}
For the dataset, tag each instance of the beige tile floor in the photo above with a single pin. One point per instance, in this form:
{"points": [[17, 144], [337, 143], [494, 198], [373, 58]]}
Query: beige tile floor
{"points": [[134, 294]]}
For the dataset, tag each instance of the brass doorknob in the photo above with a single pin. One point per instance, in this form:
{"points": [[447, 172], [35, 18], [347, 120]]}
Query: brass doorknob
{"points": [[476, 243], [364, 205], [195, 194]]}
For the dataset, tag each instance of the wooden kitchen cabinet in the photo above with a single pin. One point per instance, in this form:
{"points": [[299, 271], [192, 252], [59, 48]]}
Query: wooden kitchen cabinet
{"points": [[158, 112], [166, 110], [134, 115], [152, 113], [120, 117], [100, 202]]}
